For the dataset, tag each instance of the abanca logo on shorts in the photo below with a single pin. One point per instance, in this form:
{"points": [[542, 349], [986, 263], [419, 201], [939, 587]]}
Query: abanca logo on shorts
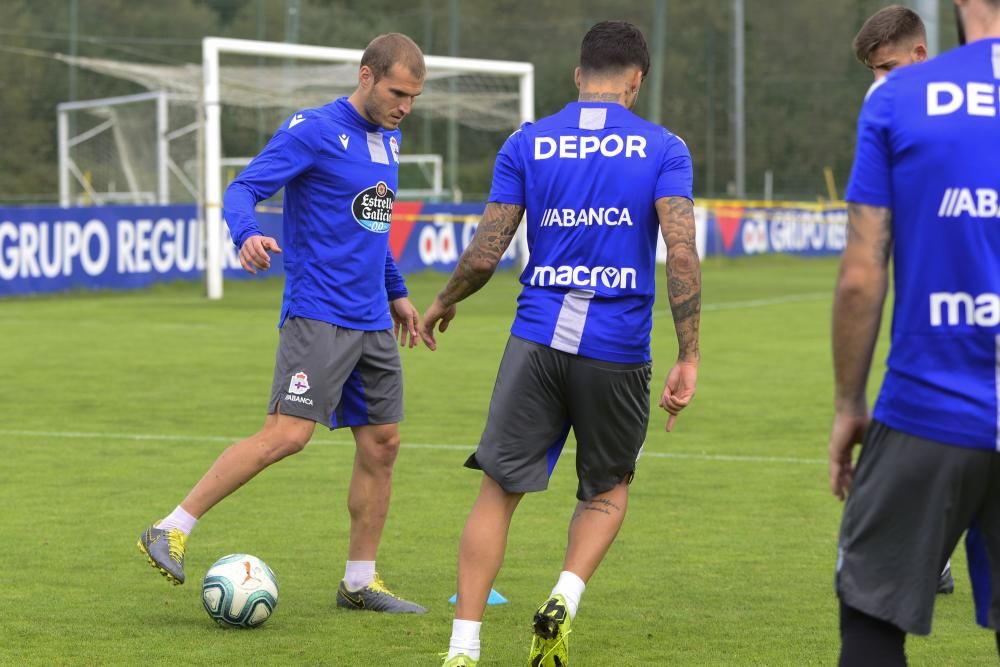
{"points": [[298, 386], [584, 276]]}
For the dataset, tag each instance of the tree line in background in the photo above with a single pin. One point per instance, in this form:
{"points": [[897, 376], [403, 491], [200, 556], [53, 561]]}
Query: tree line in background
{"points": [[803, 85]]}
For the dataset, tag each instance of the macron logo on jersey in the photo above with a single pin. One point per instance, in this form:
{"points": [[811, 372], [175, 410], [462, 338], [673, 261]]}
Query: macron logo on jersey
{"points": [[584, 276], [956, 308], [978, 203], [296, 119], [573, 147]]}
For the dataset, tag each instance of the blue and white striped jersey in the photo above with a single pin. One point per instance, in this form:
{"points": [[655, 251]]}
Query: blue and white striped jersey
{"points": [[929, 150], [589, 177], [340, 173]]}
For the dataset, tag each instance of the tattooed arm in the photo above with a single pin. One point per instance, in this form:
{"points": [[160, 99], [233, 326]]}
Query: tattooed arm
{"points": [[683, 272], [857, 315], [480, 259], [676, 216], [475, 266]]}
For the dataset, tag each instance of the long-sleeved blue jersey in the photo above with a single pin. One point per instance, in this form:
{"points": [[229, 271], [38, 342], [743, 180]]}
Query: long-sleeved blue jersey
{"points": [[340, 174], [929, 150]]}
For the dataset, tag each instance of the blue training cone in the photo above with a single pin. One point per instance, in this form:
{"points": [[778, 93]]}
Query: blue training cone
{"points": [[495, 598]]}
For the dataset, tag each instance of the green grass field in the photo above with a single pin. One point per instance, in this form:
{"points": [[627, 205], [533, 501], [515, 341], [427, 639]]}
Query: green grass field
{"points": [[115, 403]]}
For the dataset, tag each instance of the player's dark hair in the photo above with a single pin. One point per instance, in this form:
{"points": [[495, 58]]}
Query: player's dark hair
{"points": [[611, 46], [889, 25], [387, 50]]}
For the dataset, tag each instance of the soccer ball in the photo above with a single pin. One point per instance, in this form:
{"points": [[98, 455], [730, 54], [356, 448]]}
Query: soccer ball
{"points": [[240, 591]]}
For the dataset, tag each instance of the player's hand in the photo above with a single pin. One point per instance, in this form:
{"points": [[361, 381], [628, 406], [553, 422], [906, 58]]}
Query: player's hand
{"points": [[437, 312], [678, 390], [848, 430], [405, 321], [253, 253]]}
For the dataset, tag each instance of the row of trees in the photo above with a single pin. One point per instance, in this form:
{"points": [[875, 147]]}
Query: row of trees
{"points": [[803, 85]]}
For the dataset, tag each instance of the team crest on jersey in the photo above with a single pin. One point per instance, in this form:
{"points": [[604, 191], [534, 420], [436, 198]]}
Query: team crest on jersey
{"points": [[299, 384], [394, 147], [372, 207]]}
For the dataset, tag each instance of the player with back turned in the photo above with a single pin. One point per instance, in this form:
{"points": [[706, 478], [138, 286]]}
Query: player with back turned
{"points": [[891, 38], [598, 184], [925, 192]]}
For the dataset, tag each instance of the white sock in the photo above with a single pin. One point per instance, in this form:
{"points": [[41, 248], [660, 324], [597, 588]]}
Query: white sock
{"points": [[570, 587], [358, 574], [947, 566], [464, 638], [179, 519]]}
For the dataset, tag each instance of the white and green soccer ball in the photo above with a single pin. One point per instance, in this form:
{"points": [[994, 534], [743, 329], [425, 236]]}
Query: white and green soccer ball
{"points": [[240, 591]]}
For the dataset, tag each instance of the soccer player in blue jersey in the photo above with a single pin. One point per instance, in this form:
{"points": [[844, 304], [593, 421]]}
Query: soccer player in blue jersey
{"points": [[337, 363], [893, 37], [598, 183], [925, 191]]}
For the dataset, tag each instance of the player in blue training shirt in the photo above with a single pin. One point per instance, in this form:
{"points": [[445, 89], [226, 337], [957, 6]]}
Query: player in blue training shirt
{"points": [[925, 190], [598, 183], [337, 362], [894, 37]]}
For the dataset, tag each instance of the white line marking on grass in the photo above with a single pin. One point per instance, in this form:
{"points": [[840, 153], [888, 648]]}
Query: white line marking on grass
{"points": [[774, 301], [72, 435], [756, 303]]}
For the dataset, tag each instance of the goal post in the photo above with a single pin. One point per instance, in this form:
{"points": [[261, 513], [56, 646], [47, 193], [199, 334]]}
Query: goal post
{"points": [[213, 48], [133, 149]]}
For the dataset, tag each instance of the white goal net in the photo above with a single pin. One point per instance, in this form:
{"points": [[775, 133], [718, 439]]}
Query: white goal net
{"points": [[133, 149], [188, 137]]}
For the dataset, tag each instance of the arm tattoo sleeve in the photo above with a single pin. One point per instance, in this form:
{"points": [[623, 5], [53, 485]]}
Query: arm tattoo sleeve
{"points": [[871, 226], [676, 216], [480, 259]]}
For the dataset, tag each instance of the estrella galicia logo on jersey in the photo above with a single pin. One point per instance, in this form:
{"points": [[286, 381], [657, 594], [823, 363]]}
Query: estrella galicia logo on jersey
{"points": [[584, 276], [372, 208]]}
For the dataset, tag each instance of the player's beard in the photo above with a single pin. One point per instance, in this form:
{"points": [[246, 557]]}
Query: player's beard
{"points": [[377, 115], [959, 26]]}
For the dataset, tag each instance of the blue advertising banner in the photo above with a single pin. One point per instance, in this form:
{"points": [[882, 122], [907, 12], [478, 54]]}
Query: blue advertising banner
{"points": [[51, 249], [746, 228], [54, 249]]}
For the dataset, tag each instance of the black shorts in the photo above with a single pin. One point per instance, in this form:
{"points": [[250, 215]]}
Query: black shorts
{"points": [[910, 502], [540, 394], [337, 376]]}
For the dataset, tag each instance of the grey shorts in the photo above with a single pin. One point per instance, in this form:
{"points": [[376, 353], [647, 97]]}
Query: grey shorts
{"points": [[337, 376], [909, 504], [540, 394]]}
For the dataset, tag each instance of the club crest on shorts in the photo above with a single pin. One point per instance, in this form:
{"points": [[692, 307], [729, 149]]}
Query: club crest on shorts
{"points": [[299, 384]]}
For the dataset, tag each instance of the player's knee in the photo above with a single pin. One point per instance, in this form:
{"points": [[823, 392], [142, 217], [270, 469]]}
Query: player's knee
{"points": [[382, 449], [282, 442]]}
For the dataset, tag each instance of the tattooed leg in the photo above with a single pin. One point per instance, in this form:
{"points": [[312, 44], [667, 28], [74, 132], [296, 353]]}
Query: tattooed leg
{"points": [[593, 528]]}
